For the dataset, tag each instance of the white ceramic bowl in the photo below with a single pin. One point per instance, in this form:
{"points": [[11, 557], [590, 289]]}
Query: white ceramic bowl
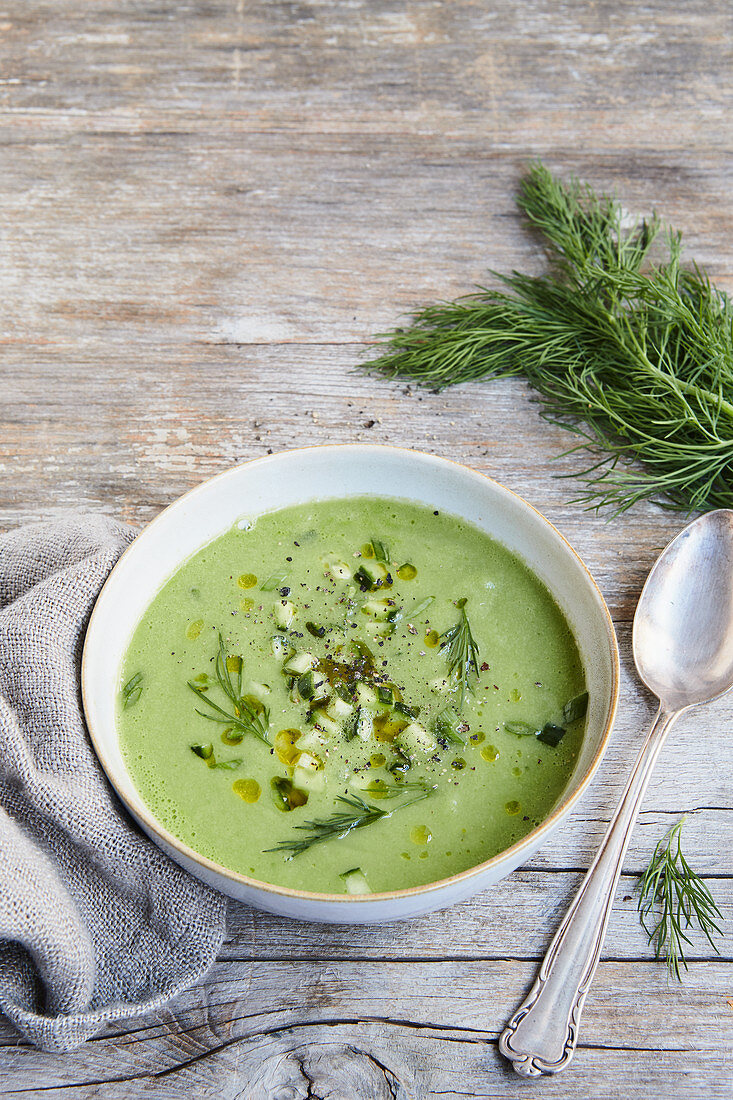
{"points": [[294, 477]]}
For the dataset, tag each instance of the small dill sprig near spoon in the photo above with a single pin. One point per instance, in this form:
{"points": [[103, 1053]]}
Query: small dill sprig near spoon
{"points": [[243, 717], [633, 354], [357, 815], [672, 899], [461, 651]]}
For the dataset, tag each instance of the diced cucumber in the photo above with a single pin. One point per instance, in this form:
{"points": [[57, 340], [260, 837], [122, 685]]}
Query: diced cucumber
{"points": [[344, 692], [321, 720], [260, 691], [381, 610], [360, 725], [312, 741], [281, 646], [308, 761], [400, 765], [309, 780], [372, 575], [364, 724], [284, 613], [311, 684], [415, 740], [366, 695], [446, 727], [337, 568], [338, 709], [405, 711], [385, 695], [298, 664], [355, 881]]}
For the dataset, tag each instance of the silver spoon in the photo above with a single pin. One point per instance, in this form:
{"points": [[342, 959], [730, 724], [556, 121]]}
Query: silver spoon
{"points": [[683, 650]]}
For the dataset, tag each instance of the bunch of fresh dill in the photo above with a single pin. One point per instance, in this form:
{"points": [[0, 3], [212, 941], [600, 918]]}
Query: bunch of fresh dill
{"points": [[633, 354]]}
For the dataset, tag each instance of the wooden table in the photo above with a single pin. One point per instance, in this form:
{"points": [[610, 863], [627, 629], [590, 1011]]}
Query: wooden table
{"points": [[207, 209]]}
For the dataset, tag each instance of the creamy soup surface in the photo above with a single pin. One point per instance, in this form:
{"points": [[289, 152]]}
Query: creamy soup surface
{"points": [[354, 695]]}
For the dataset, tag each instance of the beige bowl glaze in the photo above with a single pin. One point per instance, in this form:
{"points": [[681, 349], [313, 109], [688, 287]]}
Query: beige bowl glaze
{"points": [[319, 473]]}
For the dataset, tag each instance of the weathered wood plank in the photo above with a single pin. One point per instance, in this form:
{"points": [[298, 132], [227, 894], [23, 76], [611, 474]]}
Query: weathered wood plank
{"points": [[543, 71], [280, 239], [405, 1064], [203, 1043], [130, 434], [514, 919]]}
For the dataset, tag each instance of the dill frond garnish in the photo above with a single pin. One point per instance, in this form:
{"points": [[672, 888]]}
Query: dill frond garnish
{"points": [[357, 815], [243, 716], [633, 354], [461, 652], [673, 898]]}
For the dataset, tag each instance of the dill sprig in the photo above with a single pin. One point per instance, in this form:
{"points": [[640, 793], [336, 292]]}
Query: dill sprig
{"points": [[461, 652], [633, 354], [243, 717], [357, 815], [672, 898]]}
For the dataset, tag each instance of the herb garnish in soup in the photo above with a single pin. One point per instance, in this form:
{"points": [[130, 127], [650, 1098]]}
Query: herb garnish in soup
{"points": [[352, 696]]}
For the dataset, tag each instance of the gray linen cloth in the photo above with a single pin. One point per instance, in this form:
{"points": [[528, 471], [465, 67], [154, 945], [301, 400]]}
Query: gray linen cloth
{"points": [[96, 923]]}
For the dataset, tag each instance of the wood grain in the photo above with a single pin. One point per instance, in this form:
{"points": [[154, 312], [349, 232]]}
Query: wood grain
{"points": [[208, 208]]}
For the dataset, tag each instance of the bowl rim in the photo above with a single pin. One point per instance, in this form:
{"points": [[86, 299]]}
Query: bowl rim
{"points": [[531, 840]]}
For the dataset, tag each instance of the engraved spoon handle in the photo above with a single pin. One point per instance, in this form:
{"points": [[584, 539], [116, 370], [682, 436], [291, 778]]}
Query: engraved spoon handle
{"points": [[542, 1033]]}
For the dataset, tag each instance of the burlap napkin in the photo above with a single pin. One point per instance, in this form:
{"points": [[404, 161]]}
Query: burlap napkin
{"points": [[95, 922]]}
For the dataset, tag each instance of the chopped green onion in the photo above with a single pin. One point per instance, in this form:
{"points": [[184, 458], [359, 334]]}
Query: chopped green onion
{"points": [[422, 607], [381, 553], [204, 751], [277, 580], [522, 729], [576, 708], [551, 734], [132, 690]]}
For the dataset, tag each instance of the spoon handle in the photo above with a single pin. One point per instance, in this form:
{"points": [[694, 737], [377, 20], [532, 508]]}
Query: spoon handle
{"points": [[542, 1033]]}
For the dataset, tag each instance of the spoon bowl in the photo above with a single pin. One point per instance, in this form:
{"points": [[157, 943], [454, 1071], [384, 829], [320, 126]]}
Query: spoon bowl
{"points": [[683, 628]]}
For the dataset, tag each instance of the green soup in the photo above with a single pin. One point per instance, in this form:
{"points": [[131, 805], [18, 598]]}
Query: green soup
{"points": [[350, 696]]}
